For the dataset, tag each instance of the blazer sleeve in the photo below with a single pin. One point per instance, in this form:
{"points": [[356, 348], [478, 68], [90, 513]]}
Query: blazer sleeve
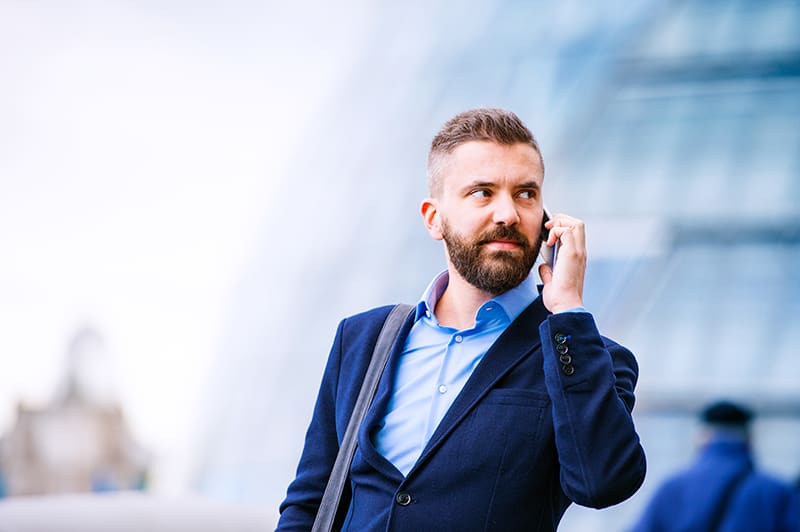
{"points": [[590, 380], [304, 494]]}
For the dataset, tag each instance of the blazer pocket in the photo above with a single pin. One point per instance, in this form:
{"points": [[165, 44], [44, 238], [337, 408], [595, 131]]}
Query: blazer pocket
{"points": [[503, 436], [517, 397]]}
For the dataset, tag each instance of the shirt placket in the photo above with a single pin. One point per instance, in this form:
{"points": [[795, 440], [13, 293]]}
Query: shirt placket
{"points": [[444, 392]]}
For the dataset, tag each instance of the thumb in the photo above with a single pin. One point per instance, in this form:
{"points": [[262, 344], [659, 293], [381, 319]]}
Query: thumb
{"points": [[546, 273]]}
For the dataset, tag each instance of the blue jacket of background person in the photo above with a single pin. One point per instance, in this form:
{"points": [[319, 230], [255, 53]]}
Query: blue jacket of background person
{"points": [[686, 502], [527, 435]]}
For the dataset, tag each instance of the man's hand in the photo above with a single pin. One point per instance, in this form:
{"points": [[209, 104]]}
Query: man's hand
{"points": [[563, 284]]}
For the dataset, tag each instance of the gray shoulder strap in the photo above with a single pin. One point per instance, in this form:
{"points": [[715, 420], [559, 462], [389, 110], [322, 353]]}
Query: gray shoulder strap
{"points": [[341, 467]]}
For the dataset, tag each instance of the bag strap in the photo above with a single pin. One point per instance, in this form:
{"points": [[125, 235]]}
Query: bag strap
{"points": [[341, 467], [727, 497]]}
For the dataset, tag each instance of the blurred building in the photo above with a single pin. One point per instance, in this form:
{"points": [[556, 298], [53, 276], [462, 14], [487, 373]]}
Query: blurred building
{"points": [[670, 127], [80, 441]]}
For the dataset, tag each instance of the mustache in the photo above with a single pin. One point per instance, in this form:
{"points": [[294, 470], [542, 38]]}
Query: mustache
{"points": [[504, 232]]}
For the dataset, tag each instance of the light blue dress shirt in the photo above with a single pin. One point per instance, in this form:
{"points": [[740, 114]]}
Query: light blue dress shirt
{"points": [[434, 366]]}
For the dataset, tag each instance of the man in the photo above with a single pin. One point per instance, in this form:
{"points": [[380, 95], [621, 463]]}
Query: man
{"points": [[721, 490], [499, 406]]}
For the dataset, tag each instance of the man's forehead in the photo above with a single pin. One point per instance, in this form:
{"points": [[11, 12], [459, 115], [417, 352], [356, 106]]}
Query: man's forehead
{"points": [[491, 160], [480, 149]]}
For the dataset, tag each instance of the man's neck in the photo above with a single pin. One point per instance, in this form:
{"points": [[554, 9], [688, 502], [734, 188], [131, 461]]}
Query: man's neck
{"points": [[460, 302]]}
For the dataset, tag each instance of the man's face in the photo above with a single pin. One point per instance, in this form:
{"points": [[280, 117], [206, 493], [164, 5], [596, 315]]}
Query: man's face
{"points": [[489, 213]]}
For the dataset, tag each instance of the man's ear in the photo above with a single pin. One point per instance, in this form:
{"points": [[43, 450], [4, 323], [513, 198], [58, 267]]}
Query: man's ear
{"points": [[430, 215]]}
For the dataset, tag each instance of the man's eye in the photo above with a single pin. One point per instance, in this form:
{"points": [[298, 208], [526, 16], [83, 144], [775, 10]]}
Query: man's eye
{"points": [[479, 193], [527, 194]]}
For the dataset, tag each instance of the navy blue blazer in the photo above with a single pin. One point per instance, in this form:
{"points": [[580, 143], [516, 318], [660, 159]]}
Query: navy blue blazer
{"points": [[526, 436]]}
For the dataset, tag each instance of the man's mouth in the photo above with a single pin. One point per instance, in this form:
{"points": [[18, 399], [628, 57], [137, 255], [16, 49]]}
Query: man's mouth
{"points": [[502, 244]]}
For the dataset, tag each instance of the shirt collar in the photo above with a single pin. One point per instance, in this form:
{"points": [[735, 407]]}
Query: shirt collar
{"points": [[512, 302]]}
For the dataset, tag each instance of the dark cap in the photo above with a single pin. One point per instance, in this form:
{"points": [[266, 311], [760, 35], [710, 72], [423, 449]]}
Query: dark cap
{"points": [[726, 413]]}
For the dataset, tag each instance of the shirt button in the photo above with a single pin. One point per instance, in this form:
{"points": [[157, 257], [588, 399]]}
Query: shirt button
{"points": [[488, 309], [442, 389], [458, 338], [403, 498]]}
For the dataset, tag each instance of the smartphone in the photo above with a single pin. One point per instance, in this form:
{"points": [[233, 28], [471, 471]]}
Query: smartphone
{"points": [[548, 253]]}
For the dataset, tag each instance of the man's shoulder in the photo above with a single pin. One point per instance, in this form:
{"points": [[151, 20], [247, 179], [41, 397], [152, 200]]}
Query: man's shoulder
{"points": [[377, 314], [367, 323], [772, 484]]}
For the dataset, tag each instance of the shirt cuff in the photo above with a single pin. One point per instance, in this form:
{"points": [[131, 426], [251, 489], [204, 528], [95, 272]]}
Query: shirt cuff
{"points": [[573, 309]]}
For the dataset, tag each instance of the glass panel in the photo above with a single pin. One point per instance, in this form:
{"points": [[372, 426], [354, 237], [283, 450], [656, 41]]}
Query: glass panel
{"points": [[711, 154], [713, 317], [772, 26]]}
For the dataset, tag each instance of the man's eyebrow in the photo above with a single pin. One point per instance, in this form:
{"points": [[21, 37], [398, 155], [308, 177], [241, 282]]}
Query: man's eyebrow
{"points": [[481, 183], [478, 183]]}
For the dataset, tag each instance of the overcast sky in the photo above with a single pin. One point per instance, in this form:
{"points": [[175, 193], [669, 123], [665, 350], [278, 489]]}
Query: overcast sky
{"points": [[139, 142]]}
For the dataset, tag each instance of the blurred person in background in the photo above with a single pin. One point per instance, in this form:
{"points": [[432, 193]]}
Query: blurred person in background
{"points": [[501, 403], [721, 490]]}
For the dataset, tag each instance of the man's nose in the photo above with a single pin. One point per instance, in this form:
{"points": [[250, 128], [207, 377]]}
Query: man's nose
{"points": [[505, 210]]}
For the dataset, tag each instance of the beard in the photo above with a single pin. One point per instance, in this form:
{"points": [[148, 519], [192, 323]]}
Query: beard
{"points": [[492, 271]]}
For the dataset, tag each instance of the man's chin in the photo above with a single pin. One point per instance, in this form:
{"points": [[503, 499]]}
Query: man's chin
{"points": [[505, 265], [506, 260], [497, 283], [506, 255]]}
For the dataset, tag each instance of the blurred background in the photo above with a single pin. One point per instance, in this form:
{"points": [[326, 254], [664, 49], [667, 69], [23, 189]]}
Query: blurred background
{"points": [[193, 194]]}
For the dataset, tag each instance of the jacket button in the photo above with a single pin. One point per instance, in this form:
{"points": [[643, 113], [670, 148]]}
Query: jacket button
{"points": [[403, 498], [565, 359], [569, 370], [560, 338], [562, 349]]}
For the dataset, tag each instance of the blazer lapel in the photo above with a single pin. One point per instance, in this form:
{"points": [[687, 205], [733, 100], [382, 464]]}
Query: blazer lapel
{"points": [[521, 337]]}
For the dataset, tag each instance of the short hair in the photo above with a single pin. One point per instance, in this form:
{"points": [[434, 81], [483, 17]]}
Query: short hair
{"points": [[486, 124], [727, 414]]}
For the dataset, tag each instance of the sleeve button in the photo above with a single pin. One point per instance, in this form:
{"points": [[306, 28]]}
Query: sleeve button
{"points": [[560, 338], [568, 370], [562, 349], [565, 359]]}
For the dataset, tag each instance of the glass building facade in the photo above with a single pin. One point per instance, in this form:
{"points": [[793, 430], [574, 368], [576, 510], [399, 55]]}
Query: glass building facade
{"points": [[670, 127]]}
